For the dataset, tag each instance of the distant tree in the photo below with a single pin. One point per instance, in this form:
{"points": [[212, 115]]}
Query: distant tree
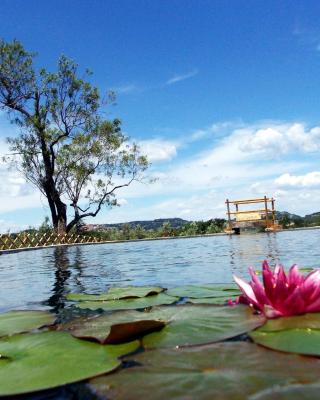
{"points": [[285, 221], [298, 222], [213, 228], [220, 223], [190, 229], [166, 229], [66, 148], [126, 231], [139, 232], [45, 227]]}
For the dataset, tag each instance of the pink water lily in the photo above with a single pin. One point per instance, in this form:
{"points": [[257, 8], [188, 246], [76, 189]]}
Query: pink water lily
{"points": [[281, 294]]}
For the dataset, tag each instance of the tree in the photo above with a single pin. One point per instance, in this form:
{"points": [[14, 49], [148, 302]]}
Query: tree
{"points": [[166, 229], [285, 221], [45, 227], [66, 148]]}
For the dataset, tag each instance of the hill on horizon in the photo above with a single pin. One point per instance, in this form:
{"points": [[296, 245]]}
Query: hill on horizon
{"points": [[307, 220], [149, 224]]}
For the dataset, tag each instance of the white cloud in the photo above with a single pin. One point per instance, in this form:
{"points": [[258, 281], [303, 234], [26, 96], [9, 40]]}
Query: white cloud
{"points": [[182, 77], [279, 139], [230, 159], [126, 89], [158, 149], [10, 226], [215, 130], [309, 180], [224, 165], [15, 192], [228, 169], [122, 202]]}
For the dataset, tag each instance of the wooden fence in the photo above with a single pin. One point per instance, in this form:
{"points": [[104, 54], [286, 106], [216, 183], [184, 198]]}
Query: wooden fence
{"points": [[28, 240]]}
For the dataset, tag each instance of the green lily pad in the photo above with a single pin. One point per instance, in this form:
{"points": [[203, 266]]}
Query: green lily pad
{"points": [[118, 327], [128, 304], [224, 371], [196, 292], [291, 392], [32, 362], [118, 293], [301, 341], [306, 269], [192, 324], [14, 322], [222, 286], [297, 334], [305, 321], [88, 297], [213, 300]]}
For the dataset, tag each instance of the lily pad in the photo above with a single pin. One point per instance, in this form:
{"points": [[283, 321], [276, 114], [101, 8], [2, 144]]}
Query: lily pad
{"points": [[297, 334], [306, 321], [14, 322], [291, 392], [196, 292], [301, 341], [213, 300], [306, 269], [88, 297], [192, 324], [118, 327], [118, 293], [32, 362], [222, 286], [224, 371], [128, 304]]}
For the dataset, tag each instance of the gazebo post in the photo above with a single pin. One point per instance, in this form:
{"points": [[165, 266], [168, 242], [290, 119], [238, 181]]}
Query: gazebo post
{"points": [[266, 210], [273, 212], [229, 218]]}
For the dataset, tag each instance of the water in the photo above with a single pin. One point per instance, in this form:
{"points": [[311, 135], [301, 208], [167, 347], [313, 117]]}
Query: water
{"points": [[40, 279]]}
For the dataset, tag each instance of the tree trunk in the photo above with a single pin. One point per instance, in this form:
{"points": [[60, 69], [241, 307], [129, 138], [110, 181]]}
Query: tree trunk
{"points": [[75, 220], [62, 217], [58, 209]]}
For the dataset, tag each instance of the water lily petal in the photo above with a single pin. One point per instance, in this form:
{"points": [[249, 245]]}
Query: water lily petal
{"points": [[258, 288], [313, 277], [281, 294], [246, 290], [268, 281], [294, 276], [280, 286], [313, 307], [293, 304]]}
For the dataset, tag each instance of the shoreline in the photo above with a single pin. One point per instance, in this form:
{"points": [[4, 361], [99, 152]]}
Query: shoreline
{"points": [[12, 251]]}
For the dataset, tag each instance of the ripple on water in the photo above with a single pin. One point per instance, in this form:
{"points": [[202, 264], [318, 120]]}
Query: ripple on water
{"points": [[39, 279]]}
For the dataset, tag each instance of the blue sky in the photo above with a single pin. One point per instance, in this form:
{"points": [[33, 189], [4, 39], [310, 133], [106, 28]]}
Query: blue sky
{"points": [[222, 95]]}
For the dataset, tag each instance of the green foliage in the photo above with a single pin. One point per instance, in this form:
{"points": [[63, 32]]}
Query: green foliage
{"points": [[46, 226], [285, 221], [204, 227], [66, 148], [129, 232]]}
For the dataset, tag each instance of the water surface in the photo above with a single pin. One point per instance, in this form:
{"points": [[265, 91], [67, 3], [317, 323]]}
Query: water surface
{"points": [[40, 279]]}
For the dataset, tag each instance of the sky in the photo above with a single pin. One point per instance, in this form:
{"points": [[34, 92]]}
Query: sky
{"points": [[223, 97]]}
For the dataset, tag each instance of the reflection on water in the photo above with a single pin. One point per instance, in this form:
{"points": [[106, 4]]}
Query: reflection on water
{"points": [[251, 246], [62, 273], [41, 279]]}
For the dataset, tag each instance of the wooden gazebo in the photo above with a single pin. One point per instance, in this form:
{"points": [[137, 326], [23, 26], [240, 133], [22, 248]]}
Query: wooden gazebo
{"points": [[265, 215]]}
